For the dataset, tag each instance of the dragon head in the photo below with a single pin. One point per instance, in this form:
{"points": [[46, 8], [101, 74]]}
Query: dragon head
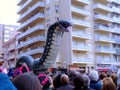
{"points": [[64, 25]]}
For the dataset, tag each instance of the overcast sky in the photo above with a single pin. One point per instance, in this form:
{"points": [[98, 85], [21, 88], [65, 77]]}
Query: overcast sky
{"points": [[8, 11]]}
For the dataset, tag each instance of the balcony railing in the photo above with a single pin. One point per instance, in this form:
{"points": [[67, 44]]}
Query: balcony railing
{"points": [[31, 40], [80, 10], [103, 7], [81, 22], [117, 30], [118, 51], [117, 39], [105, 61], [105, 50], [32, 51], [24, 5], [82, 60], [115, 9], [116, 20], [99, 27], [81, 35], [84, 1], [19, 2], [35, 17], [81, 47], [105, 39], [102, 17], [39, 4], [32, 29], [116, 1]]}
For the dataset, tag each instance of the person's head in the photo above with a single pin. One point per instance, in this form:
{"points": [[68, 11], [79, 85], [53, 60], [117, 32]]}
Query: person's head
{"points": [[27, 81], [44, 80], [64, 79], [93, 75], [78, 81], [86, 80], [108, 84], [102, 76], [56, 81]]}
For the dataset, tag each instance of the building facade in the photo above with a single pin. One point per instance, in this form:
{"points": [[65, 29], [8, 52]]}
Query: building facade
{"points": [[92, 41], [7, 44]]}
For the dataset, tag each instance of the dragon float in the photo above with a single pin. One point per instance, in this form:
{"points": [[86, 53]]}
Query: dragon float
{"points": [[52, 45]]}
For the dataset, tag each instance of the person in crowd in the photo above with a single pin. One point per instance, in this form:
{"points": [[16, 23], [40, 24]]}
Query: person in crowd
{"points": [[102, 76], [51, 82], [27, 81], [94, 84], [5, 82], [45, 81], [72, 74], [10, 73], [108, 84], [118, 80], [56, 81], [114, 78], [64, 79], [86, 82], [78, 82]]}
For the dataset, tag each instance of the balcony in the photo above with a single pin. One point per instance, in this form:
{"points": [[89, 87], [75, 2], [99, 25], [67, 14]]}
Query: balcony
{"points": [[39, 4], [81, 35], [24, 5], [32, 51], [85, 2], [81, 47], [102, 17], [31, 30], [117, 39], [81, 60], [105, 61], [31, 40], [104, 39], [116, 30], [116, 20], [118, 51], [81, 11], [32, 19], [101, 7], [21, 2], [12, 56], [81, 23], [100, 27], [105, 50], [115, 9], [116, 1]]}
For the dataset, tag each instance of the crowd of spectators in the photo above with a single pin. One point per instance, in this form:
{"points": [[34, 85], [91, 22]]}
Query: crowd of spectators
{"points": [[69, 80]]}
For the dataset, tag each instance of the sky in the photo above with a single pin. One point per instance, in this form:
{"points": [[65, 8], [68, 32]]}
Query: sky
{"points": [[8, 12]]}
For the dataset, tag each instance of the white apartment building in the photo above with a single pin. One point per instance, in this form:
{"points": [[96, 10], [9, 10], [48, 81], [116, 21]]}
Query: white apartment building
{"points": [[93, 40]]}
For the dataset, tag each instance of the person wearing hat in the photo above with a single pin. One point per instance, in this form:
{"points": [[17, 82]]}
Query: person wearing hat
{"points": [[45, 81]]}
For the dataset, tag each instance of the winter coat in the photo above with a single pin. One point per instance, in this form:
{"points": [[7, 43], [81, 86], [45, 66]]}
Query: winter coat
{"points": [[95, 85], [5, 83]]}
